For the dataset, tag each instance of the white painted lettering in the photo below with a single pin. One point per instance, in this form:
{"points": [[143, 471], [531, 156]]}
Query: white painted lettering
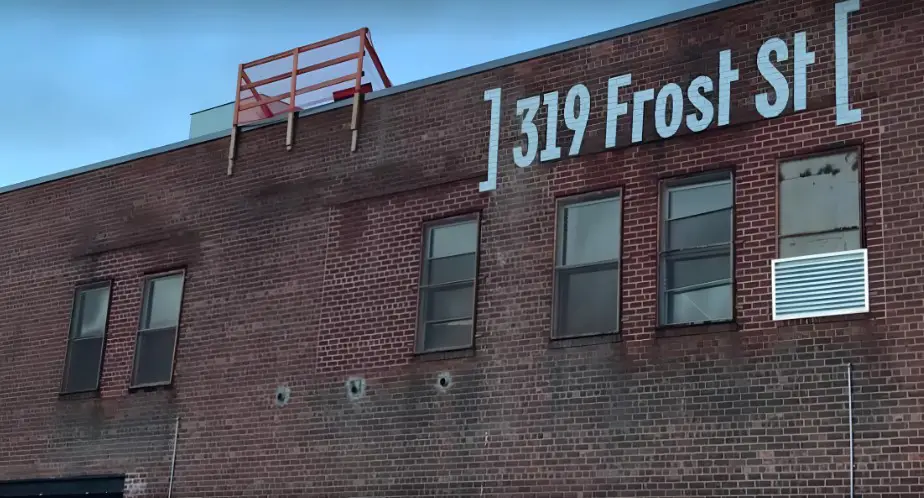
{"points": [[493, 96], [699, 86], [576, 119], [845, 115], [803, 59], [552, 150], [614, 108], [727, 76], [638, 113], [674, 93], [710, 98], [777, 80], [528, 106]]}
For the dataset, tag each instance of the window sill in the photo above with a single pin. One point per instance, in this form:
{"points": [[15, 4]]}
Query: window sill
{"points": [[451, 354], [667, 331], [150, 387], [590, 340], [79, 394], [853, 317]]}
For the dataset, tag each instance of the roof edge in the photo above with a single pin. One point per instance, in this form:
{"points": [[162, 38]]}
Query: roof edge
{"points": [[682, 15], [200, 111], [637, 27]]}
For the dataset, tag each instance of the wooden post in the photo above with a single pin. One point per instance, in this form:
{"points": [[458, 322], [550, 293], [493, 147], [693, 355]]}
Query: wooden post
{"points": [[290, 129], [357, 95], [357, 110], [233, 149]]}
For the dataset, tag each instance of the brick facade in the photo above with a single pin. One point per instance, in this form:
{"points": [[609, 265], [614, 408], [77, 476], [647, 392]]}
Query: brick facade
{"points": [[302, 271]]}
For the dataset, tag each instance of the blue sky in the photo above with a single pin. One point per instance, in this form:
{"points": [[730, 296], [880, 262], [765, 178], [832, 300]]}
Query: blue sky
{"points": [[90, 80]]}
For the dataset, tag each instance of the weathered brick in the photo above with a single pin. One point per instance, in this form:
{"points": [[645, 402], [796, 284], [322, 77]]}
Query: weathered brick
{"points": [[303, 268]]}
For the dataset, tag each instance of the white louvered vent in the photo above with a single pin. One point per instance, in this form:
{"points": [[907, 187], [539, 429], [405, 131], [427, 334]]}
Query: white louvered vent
{"points": [[834, 283]]}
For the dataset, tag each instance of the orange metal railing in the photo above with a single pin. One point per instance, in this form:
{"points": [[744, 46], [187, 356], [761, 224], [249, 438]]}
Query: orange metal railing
{"points": [[305, 77], [259, 99]]}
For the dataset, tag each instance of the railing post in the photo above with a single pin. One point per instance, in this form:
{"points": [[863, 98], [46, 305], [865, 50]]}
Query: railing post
{"points": [[232, 147], [357, 94], [290, 130]]}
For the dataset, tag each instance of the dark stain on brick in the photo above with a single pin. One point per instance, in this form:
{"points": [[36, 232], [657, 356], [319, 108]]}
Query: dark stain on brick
{"points": [[270, 302]]}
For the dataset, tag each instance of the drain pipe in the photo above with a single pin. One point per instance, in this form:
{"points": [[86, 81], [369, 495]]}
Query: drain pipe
{"points": [[850, 413], [176, 433]]}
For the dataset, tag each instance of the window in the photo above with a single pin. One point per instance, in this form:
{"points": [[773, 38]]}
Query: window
{"points": [[86, 338], [447, 285], [587, 266], [697, 251], [156, 342], [819, 204]]}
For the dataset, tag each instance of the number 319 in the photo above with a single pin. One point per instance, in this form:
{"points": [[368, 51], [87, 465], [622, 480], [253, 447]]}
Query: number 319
{"points": [[576, 111]]}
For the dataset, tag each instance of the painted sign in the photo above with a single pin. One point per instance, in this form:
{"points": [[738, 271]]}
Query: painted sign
{"points": [[577, 103]]}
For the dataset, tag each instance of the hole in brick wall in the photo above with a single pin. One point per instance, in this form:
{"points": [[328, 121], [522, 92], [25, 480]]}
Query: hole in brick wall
{"points": [[283, 393], [443, 381], [356, 388]]}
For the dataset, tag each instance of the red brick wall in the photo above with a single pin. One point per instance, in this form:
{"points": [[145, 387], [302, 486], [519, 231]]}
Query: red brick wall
{"points": [[302, 271]]}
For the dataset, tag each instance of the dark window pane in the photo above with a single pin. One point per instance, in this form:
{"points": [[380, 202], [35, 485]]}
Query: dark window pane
{"points": [[154, 360], [449, 303], [452, 240], [450, 269], [588, 302], [450, 258], [449, 335], [592, 232], [684, 271], [703, 305], [162, 302], [83, 364], [91, 309], [700, 230], [690, 200]]}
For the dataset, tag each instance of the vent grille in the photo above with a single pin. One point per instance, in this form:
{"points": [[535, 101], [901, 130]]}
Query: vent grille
{"points": [[834, 283]]}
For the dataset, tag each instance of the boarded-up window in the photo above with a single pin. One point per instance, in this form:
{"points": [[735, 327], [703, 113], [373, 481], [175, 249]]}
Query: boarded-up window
{"points": [[820, 204], [160, 318], [587, 266], [447, 285], [89, 317]]}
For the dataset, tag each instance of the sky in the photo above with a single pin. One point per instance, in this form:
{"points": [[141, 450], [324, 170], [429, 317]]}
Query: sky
{"points": [[90, 80]]}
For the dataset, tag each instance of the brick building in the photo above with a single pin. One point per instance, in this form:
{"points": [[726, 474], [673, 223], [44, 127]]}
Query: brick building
{"points": [[463, 306]]}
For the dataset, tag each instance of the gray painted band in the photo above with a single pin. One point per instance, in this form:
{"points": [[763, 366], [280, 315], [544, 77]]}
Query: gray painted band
{"points": [[407, 87]]}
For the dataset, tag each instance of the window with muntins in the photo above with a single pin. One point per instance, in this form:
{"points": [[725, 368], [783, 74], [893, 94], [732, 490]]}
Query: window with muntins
{"points": [[155, 346], [587, 266], [697, 250], [819, 204], [447, 285], [86, 338]]}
